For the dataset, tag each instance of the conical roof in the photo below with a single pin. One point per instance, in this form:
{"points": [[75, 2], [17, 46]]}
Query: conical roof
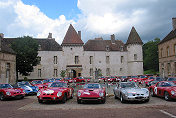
{"points": [[72, 37], [134, 37]]}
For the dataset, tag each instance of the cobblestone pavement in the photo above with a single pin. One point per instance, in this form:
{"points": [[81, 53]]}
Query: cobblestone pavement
{"points": [[30, 108]]}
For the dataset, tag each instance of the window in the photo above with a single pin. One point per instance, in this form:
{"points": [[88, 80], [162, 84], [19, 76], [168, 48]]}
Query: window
{"points": [[107, 48], [91, 59], [175, 49], [91, 72], [168, 51], [175, 67], [8, 70], [121, 48], [168, 68], [135, 56], [39, 73], [121, 59], [107, 59], [39, 60], [108, 71], [55, 72], [161, 52], [55, 59], [39, 47], [120, 69], [76, 59]]}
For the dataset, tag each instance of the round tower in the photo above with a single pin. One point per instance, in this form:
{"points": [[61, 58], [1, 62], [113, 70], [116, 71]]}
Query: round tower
{"points": [[135, 53]]}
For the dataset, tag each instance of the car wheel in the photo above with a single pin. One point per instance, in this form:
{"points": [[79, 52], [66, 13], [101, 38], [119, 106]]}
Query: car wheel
{"points": [[103, 101], [22, 97], [115, 96], [152, 93], [167, 96], [147, 100], [40, 101], [78, 101], [122, 99], [64, 99], [2, 97]]}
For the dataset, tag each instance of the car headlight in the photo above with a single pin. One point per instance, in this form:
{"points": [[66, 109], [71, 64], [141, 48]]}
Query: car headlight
{"points": [[59, 94], [101, 94], [172, 92], [79, 94], [37, 88], [38, 93], [8, 93]]}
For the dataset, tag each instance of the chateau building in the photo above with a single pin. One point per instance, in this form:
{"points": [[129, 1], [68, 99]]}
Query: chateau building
{"points": [[95, 57], [7, 63], [167, 53]]}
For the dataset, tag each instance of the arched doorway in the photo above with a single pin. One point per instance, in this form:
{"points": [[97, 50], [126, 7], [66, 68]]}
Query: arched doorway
{"points": [[74, 73]]}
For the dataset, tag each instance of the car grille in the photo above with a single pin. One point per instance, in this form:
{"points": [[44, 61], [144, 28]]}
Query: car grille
{"points": [[47, 98], [48, 94]]}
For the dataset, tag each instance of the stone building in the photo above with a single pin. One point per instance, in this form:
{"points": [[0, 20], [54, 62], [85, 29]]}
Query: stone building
{"points": [[108, 57], [7, 63], [167, 53]]}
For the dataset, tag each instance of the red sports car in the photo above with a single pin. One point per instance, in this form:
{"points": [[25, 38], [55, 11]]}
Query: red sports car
{"points": [[91, 91], [38, 83], [57, 91], [7, 91], [164, 89]]}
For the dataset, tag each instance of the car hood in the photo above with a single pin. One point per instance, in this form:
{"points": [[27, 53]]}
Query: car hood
{"points": [[135, 90], [12, 90], [91, 91], [53, 89]]}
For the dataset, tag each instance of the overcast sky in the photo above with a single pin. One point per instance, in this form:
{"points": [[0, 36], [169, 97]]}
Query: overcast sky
{"points": [[95, 18]]}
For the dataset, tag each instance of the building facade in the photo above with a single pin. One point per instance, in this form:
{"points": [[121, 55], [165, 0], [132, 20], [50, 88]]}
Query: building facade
{"points": [[167, 53], [96, 57], [7, 63]]}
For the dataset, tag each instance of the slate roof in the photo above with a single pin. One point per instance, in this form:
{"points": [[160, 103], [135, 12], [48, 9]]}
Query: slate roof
{"points": [[170, 36], [45, 44], [72, 37], [5, 47], [134, 37], [99, 44]]}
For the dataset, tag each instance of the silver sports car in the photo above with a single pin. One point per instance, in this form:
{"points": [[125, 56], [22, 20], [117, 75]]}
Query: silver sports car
{"points": [[129, 91]]}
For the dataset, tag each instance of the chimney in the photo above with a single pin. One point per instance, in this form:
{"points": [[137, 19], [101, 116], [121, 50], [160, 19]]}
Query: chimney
{"points": [[79, 34], [2, 35], [113, 39], [50, 36], [174, 23]]}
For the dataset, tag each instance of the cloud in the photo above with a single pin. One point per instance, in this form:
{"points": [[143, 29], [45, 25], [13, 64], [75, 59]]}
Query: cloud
{"points": [[151, 18], [24, 19]]}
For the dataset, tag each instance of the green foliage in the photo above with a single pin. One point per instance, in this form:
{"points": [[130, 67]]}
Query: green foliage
{"points": [[150, 55], [26, 49], [151, 72], [100, 73], [63, 73]]}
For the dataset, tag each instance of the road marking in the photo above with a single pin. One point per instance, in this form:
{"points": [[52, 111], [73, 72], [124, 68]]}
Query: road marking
{"points": [[171, 115]]}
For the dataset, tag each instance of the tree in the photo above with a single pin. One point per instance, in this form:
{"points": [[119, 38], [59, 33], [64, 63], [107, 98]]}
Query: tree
{"points": [[150, 55], [26, 49], [63, 73]]}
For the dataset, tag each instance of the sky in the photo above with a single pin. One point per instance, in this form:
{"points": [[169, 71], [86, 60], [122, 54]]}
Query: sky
{"points": [[94, 18]]}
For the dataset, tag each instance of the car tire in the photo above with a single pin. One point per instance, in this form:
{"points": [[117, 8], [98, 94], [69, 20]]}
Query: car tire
{"points": [[72, 95], [22, 97], [152, 93], [167, 96], [122, 99], [40, 101], [64, 99], [2, 97], [147, 100], [78, 101], [115, 96]]}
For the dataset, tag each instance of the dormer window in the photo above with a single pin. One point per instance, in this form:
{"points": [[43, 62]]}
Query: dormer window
{"points": [[107, 48]]}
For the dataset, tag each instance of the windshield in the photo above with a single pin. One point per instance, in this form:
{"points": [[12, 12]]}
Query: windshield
{"points": [[128, 85], [67, 78], [58, 84], [58, 79], [171, 79], [24, 84], [143, 76], [5, 86], [36, 82], [159, 79], [133, 76], [92, 86], [46, 81], [151, 78], [167, 84], [124, 76]]}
